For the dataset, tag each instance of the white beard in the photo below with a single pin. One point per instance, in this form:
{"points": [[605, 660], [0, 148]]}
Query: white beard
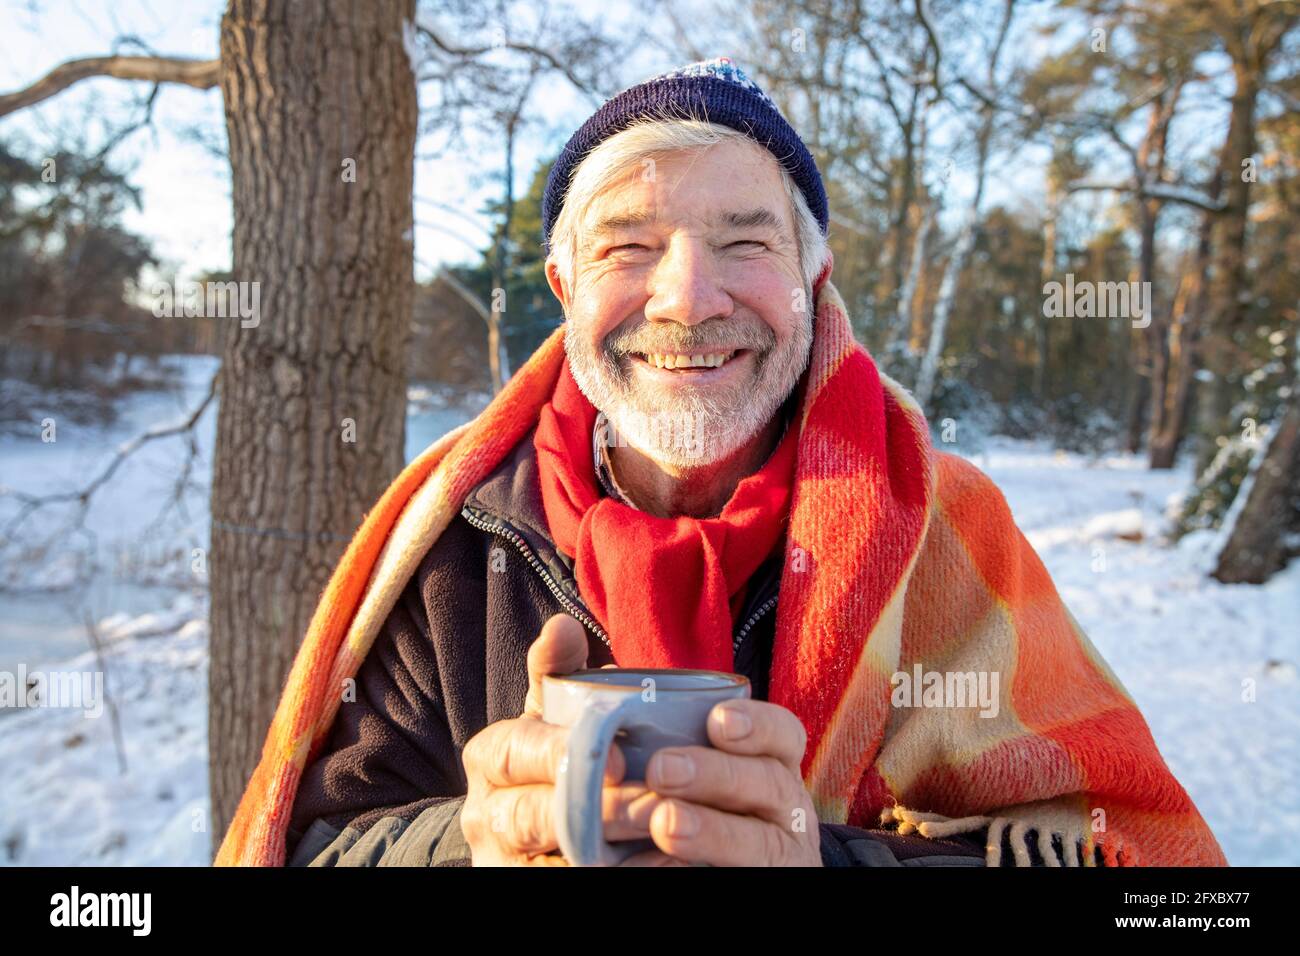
{"points": [[693, 427]]}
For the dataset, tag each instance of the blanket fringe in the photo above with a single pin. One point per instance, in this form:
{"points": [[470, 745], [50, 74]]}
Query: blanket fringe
{"points": [[936, 826]]}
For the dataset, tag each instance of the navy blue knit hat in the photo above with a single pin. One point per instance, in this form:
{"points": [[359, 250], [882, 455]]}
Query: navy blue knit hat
{"points": [[716, 90]]}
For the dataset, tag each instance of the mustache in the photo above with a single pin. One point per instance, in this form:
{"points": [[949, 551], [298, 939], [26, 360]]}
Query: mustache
{"points": [[720, 335]]}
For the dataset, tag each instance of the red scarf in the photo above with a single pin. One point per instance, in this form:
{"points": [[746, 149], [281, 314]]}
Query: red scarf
{"points": [[665, 589]]}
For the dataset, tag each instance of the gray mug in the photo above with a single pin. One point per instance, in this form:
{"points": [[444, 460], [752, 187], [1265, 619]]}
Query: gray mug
{"points": [[647, 709]]}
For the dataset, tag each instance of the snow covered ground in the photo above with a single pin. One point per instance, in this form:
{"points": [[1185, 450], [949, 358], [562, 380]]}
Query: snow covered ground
{"points": [[1212, 667]]}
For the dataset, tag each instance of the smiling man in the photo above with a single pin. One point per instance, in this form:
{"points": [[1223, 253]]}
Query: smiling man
{"points": [[702, 469]]}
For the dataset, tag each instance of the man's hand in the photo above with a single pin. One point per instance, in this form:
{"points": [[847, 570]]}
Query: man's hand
{"points": [[743, 804], [508, 817]]}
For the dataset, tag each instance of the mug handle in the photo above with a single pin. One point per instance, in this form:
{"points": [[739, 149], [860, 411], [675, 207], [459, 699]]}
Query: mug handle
{"points": [[579, 821]]}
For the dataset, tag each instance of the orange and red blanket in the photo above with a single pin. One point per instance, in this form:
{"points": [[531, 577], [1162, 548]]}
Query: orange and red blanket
{"points": [[901, 562]]}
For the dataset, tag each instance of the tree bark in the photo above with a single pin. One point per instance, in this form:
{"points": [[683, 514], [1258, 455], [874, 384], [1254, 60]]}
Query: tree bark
{"points": [[1046, 272], [1255, 546], [312, 415], [910, 294], [1186, 322], [1266, 510], [1167, 434], [891, 280], [1140, 395], [1149, 169], [1227, 307]]}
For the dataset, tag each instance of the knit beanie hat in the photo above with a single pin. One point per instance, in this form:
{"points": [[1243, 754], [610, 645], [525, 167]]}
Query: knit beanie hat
{"points": [[715, 90]]}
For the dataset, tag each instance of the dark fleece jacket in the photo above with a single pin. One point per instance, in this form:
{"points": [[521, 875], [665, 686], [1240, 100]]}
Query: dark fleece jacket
{"points": [[388, 786]]}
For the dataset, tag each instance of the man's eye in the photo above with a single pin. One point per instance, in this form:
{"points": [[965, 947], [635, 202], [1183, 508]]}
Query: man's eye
{"points": [[747, 242], [626, 245]]}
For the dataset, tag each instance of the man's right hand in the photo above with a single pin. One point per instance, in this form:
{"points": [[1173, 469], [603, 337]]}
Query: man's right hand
{"points": [[508, 817]]}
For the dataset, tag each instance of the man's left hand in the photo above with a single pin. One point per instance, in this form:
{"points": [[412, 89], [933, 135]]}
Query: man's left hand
{"points": [[743, 803]]}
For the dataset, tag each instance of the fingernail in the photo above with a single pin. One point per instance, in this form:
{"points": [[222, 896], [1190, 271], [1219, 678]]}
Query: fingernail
{"points": [[682, 822], [640, 810], [674, 770], [735, 723]]}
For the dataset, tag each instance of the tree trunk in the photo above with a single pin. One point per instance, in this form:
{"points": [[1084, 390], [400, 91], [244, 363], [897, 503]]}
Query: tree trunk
{"points": [[892, 279], [321, 117], [1185, 325], [1266, 510], [1046, 273], [498, 356], [929, 371], [1168, 434], [909, 295], [494, 351], [1139, 398], [925, 379], [1149, 166], [1156, 360], [1256, 526], [1227, 306]]}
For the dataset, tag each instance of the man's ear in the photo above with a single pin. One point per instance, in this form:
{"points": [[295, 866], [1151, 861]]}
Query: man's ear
{"points": [[556, 283], [825, 274]]}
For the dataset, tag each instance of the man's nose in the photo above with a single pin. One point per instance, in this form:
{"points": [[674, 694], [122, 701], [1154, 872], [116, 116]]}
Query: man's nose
{"points": [[686, 285]]}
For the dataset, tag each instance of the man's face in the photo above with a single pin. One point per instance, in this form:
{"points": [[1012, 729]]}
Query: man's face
{"points": [[690, 259]]}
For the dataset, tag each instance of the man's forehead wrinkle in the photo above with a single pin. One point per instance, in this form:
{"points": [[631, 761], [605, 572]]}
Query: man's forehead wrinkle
{"points": [[631, 216]]}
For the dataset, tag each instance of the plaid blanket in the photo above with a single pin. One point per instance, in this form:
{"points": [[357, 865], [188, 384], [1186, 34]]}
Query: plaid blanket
{"points": [[943, 685]]}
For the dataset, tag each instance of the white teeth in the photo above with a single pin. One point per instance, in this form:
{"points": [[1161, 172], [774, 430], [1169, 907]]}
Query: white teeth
{"points": [[674, 361]]}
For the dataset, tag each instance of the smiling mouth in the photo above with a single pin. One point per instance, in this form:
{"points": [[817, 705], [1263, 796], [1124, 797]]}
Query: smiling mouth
{"points": [[685, 363]]}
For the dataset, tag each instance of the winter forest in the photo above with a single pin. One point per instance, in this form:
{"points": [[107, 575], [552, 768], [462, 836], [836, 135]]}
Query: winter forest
{"points": [[1070, 228]]}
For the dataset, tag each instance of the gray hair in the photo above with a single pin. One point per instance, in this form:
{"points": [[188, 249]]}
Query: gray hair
{"points": [[630, 148]]}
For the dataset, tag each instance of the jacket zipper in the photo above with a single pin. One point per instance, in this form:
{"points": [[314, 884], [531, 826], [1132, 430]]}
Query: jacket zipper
{"points": [[518, 541], [753, 618]]}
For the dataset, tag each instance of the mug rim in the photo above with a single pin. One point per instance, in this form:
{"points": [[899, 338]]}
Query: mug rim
{"points": [[732, 679]]}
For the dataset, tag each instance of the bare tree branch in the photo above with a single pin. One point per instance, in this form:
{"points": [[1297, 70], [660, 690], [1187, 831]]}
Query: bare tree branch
{"points": [[201, 74], [82, 496], [841, 220], [924, 17], [535, 51], [1168, 192], [462, 290]]}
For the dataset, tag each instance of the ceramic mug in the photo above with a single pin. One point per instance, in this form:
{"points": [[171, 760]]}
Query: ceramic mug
{"points": [[644, 709]]}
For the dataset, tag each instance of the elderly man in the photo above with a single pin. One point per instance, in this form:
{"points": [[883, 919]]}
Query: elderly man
{"points": [[702, 469]]}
